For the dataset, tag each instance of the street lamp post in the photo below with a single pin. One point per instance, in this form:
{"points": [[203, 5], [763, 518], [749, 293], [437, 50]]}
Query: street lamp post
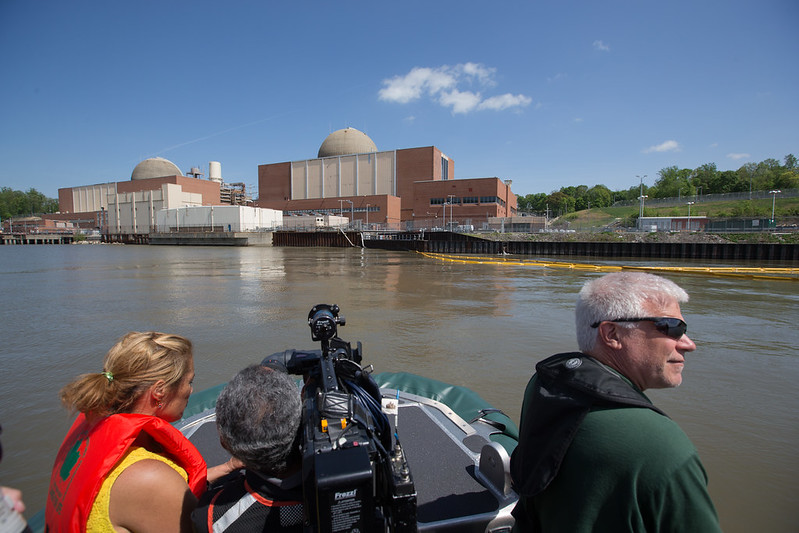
{"points": [[341, 209], [435, 217], [689, 215], [546, 217], [367, 216], [451, 209], [773, 194], [642, 198], [641, 192]]}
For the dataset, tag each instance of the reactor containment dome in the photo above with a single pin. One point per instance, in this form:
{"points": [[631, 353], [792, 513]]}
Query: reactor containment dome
{"points": [[345, 142], [155, 167]]}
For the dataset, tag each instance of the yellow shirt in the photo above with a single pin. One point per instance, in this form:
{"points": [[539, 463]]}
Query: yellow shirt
{"points": [[99, 520]]}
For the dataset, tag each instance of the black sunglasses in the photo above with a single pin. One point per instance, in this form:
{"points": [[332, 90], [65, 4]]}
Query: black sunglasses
{"points": [[673, 327]]}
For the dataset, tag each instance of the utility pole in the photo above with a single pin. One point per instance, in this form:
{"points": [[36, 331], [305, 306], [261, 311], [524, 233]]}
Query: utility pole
{"points": [[641, 195], [546, 217], [352, 212], [773, 194], [451, 210]]}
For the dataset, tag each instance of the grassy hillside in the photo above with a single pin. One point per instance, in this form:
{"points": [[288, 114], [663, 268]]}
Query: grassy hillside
{"points": [[599, 224], [597, 218]]}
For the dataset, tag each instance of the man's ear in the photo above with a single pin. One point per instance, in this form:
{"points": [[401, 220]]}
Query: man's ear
{"points": [[609, 335]]}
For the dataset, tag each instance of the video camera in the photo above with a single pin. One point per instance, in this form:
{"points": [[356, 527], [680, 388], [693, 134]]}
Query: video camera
{"points": [[355, 475]]}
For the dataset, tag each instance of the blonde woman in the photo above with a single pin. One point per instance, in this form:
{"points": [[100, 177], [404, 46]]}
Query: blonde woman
{"points": [[122, 466]]}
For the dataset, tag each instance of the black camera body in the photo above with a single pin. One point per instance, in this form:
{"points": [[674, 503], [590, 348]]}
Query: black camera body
{"points": [[355, 475]]}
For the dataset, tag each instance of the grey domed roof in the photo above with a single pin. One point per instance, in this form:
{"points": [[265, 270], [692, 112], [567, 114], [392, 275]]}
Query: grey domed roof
{"points": [[155, 167], [345, 142]]}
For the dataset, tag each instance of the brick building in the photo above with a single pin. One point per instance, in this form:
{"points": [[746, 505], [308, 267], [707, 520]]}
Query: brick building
{"points": [[398, 189]]}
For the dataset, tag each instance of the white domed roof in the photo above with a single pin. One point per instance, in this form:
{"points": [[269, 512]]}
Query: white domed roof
{"points": [[155, 167], [345, 142]]}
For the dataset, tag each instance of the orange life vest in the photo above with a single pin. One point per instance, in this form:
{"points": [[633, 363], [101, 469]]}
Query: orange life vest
{"points": [[88, 454]]}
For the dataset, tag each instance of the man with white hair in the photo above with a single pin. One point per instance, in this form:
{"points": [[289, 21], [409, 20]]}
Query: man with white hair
{"points": [[594, 453]]}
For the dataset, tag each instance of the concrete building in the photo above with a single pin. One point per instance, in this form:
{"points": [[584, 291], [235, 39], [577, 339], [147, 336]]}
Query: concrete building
{"points": [[219, 218], [134, 213], [314, 222], [128, 208], [148, 175], [398, 189], [518, 224]]}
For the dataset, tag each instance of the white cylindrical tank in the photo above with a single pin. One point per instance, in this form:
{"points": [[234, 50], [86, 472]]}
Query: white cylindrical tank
{"points": [[215, 171]]}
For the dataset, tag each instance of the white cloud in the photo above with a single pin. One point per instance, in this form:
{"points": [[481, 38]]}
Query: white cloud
{"points": [[446, 85], [504, 101], [602, 47], [484, 74], [461, 102], [738, 156], [403, 89], [667, 146]]}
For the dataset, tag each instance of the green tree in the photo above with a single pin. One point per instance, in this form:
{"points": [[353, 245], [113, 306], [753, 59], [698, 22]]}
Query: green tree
{"points": [[704, 177], [538, 202], [17, 203], [560, 203], [722, 182], [672, 182], [600, 196], [532, 203]]}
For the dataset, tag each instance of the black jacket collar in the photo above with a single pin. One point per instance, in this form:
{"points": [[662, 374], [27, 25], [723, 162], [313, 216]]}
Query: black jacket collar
{"points": [[566, 386]]}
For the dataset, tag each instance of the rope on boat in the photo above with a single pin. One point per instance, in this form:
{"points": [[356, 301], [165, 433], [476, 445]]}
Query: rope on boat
{"points": [[765, 273]]}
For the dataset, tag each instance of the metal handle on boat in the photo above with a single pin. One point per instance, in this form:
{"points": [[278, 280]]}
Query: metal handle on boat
{"points": [[499, 425]]}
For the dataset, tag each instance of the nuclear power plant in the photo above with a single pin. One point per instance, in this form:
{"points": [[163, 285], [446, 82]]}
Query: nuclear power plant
{"points": [[402, 189]]}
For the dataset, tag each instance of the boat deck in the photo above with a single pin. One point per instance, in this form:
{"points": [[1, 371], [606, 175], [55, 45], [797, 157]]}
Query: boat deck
{"points": [[460, 475]]}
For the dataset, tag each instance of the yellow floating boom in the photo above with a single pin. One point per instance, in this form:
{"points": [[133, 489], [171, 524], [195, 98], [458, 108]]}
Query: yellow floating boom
{"points": [[784, 274]]}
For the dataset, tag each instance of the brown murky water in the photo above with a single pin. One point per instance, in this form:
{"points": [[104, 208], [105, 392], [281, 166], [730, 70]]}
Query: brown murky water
{"points": [[481, 326]]}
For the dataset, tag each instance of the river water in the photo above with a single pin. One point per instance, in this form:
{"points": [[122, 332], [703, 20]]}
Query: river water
{"points": [[481, 326]]}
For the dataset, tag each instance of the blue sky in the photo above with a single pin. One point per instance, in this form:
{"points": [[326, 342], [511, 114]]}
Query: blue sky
{"points": [[545, 93]]}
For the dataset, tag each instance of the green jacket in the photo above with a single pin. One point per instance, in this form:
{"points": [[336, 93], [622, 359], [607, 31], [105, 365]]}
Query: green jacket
{"points": [[624, 467]]}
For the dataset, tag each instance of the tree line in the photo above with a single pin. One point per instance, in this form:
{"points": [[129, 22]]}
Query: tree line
{"points": [[17, 203], [671, 182]]}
